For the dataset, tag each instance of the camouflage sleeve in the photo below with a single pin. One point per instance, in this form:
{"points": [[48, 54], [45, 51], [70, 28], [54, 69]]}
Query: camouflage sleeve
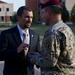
{"points": [[50, 51], [66, 51]]}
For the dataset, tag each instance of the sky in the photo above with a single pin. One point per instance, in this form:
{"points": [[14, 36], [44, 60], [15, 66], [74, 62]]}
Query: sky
{"points": [[16, 3]]}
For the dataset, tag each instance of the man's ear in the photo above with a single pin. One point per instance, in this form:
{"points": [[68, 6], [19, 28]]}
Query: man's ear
{"points": [[18, 17]]}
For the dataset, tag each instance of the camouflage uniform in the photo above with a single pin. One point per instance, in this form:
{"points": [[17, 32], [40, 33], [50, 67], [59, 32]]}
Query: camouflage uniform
{"points": [[57, 52]]}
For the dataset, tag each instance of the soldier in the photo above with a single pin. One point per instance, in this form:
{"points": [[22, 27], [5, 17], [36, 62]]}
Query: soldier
{"points": [[58, 47]]}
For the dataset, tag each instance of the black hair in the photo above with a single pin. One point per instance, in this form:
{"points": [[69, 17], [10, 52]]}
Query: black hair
{"points": [[21, 10]]}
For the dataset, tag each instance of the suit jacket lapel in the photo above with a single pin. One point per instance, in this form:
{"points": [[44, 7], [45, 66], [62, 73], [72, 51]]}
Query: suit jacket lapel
{"points": [[31, 38], [17, 35]]}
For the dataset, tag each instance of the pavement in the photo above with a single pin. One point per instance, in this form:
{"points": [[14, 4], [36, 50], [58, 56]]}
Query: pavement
{"points": [[1, 67]]}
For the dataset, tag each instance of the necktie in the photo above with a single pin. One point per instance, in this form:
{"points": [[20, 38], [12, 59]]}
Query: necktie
{"points": [[25, 41]]}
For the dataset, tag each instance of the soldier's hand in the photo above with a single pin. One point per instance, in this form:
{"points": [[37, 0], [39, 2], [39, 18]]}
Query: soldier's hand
{"points": [[32, 61]]}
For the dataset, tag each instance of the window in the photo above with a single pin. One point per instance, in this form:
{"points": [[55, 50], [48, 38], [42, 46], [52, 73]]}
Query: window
{"points": [[7, 9], [62, 1], [10, 18], [0, 9], [2, 18]]}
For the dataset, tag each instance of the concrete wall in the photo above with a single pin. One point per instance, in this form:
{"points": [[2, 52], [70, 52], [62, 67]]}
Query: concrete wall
{"points": [[69, 4]]}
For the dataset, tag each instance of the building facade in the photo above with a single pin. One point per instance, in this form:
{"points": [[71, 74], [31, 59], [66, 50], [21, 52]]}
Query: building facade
{"points": [[6, 11], [35, 6]]}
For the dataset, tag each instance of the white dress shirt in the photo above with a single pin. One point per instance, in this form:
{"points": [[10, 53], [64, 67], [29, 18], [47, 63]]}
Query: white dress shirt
{"points": [[21, 31]]}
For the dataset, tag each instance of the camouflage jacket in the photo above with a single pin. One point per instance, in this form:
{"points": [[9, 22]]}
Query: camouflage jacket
{"points": [[57, 52]]}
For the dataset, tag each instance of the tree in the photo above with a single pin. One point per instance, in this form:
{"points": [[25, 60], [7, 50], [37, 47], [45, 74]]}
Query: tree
{"points": [[35, 18], [14, 19], [73, 14], [65, 14]]}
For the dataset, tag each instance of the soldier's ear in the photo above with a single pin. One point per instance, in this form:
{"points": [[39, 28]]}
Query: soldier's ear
{"points": [[49, 12]]}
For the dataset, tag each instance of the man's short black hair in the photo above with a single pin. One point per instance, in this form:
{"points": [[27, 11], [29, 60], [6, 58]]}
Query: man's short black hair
{"points": [[55, 9], [21, 9]]}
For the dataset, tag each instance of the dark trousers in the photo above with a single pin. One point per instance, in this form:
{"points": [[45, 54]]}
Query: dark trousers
{"points": [[23, 72]]}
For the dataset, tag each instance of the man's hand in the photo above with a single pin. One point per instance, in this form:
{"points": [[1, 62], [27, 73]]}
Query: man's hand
{"points": [[22, 47]]}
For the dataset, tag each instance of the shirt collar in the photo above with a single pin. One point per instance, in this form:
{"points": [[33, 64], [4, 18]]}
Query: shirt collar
{"points": [[55, 23], [21, 31]]}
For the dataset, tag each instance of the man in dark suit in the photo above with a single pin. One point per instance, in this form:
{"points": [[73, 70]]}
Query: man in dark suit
{"points": [[12, 46]]}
